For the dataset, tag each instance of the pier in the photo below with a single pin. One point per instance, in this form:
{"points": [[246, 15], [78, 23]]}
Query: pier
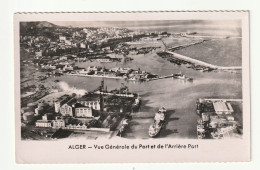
{"points": [[95, 76], [185, 45], [218, 100], [202, 63], [211, 36]]}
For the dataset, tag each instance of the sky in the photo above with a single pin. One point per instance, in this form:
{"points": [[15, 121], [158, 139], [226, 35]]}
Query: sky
{"points": [[217, 23], [225, 27]]}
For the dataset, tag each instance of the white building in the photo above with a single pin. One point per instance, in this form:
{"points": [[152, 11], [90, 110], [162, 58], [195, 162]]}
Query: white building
{"points": [[93, 68], [58, 123], [43, 123], [67, 108], [93, 103], [57, 107], [68, 67], [222, 108], [80, 126], [62, 38], [83, 112], [83, 71], [82, 45], [121, 70], [104, 60]]}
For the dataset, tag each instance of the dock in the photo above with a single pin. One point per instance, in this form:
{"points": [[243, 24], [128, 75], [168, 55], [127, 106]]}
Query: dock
{"points": [[172, 76], [163, 77], [185, 45], [217, 100], [96, 76], [211, 36], [202, 63]]}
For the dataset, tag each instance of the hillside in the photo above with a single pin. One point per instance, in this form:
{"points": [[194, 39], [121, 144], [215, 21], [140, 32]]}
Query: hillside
{"points": [[26, 27]]}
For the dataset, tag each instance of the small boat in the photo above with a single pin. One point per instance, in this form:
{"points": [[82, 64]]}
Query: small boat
{"points": [[124, 125], [162, 109], [181, 76], [189, 79], [132, 78]]}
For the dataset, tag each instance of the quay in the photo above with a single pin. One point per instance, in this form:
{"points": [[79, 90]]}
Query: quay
{"points": [[185, 45], [163, 77], [210, 36], [182, 77], [96, 76], [113, 94], [228, 100], [112, 77], [202, 63]]}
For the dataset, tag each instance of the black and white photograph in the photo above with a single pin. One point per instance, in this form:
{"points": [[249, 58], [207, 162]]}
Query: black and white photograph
{"points": [[127, 80], [131, 79]]}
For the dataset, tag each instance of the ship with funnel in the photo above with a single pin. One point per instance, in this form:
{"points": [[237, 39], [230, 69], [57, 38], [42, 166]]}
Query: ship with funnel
{"points": [[159, 121]]}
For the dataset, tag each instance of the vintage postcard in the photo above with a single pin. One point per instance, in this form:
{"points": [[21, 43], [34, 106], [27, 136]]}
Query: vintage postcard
{"points": [[132, 87]]}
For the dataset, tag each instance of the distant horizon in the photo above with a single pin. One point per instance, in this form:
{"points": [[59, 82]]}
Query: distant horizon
{"points": [[145, 23], [219, 27]]}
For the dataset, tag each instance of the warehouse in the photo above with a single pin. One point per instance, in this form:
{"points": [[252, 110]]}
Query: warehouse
{"points": [[223, 108]]}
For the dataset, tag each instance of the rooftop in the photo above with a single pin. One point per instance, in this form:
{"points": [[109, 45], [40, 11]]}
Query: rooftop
{"points": [[221, 107], [89, 97]]}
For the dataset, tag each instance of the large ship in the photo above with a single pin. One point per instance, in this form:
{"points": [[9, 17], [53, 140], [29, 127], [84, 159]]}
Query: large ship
{"points": [[159, 120]]}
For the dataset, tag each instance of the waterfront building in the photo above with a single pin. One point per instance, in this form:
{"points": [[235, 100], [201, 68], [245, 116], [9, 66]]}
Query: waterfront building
{"points": [[103, 60], [58, 123], [94, 68], [223, 107], [67, 108], [91, 102], [57, 107], [68, 67], [82, 111], [83, 71], [43, 123], [61, 101], [122, 70], [80, 126]]}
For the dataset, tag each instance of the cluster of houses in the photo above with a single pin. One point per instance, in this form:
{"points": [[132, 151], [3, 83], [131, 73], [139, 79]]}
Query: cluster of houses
{"points": [[68, 38]]}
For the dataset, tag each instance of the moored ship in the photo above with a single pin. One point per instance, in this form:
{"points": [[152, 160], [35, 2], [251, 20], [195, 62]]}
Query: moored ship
{"points": [[159, 120], [181, 76]]}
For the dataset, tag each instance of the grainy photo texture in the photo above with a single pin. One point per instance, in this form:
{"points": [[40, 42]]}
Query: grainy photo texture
{"points": [[132, 84]]}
